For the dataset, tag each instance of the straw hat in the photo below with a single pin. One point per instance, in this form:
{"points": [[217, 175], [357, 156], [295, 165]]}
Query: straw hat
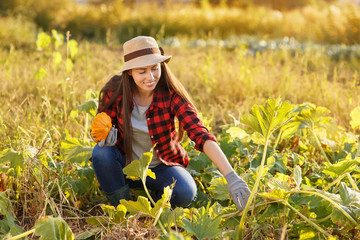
{"points": [[142, 51]]}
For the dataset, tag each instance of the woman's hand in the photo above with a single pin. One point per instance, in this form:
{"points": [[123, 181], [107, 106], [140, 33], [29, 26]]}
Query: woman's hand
{"points": [[238, 189], [111, 138]]}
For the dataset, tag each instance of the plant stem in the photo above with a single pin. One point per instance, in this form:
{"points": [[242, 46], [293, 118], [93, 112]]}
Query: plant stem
{"points": [[254, 190], [334, 182], [147, 193], [352, 182], [162, 228], [24, 234], [319, 145], [307, 220], [157, 218]]}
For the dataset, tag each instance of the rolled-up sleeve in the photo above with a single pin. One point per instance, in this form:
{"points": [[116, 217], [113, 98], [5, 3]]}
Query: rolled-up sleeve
{"points": [[191, 122]]}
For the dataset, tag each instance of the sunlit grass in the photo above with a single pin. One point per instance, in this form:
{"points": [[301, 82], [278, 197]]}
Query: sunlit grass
{"points": [[222, 83]]}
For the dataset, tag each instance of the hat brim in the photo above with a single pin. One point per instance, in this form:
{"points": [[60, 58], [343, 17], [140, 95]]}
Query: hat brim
{"points": [[144, 61]]}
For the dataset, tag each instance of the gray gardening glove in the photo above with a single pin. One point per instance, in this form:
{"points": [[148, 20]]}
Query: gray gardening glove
{"points": [[238, 189], [111, 138]]}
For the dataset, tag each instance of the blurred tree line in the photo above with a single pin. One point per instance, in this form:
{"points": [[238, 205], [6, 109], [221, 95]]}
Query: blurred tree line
{"points": [[119, 20], [273, 4], [44, 12]]}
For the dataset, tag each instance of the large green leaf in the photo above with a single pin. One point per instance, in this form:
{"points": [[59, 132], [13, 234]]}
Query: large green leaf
{"points": [[171, 217], [230, 146], [141, 205], [89, 107], [80, 186], [139, 169], [202, 225], [50, 228], [163, 202], [15, 159], [268, 118], [277, 163], [309, 117], [252, 121], [199, 164], [349, 197], [276, 194], [355, 118], [218, 187], [76, 150], [291, 129], [8, 224], [86, 172], [275, 183], [115, 215], [345, 165], [236, 132], [341, 215], [339, 219]]}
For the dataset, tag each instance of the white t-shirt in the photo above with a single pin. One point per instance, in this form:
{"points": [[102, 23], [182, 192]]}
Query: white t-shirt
{"points": [[141, 141]]}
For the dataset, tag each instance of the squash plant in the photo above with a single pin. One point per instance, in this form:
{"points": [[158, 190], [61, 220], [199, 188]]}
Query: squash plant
{"points": [[264, 120]]}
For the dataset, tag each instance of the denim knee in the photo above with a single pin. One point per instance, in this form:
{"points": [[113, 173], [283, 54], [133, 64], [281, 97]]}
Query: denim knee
{"points": [[108, 165], [106, 157], [183, 195]]}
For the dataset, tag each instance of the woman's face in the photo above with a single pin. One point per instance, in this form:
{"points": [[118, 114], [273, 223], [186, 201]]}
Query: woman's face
{"points": [[146, 78]]}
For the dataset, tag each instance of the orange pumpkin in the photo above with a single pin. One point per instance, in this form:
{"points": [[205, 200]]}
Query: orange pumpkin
{"points": [[101, 126]]}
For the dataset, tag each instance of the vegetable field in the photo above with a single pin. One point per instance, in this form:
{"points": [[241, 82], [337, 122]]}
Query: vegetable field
{"points": [[286, 114]]}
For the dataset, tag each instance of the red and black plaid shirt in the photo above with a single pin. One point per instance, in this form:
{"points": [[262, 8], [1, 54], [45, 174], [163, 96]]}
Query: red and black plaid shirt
{"points": [[160, 120]]}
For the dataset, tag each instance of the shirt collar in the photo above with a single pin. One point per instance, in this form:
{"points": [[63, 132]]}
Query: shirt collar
{"points": [[161, 99]]}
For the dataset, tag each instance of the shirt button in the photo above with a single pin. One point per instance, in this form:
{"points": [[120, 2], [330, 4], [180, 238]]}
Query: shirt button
{"points": [[157, 151], [152, 136], [148, 119]]}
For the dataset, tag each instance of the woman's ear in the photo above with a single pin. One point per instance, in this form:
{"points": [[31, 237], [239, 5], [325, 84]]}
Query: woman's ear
{"points": [[129, 72]]}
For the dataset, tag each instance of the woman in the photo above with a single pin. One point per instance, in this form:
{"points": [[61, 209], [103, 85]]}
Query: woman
{"points": [[143, 103]]}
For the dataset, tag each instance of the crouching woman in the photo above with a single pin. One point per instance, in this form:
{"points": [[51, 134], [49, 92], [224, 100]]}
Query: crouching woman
{"points": [[143, 102]]}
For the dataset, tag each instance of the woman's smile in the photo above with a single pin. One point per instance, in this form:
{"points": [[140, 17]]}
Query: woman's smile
{"points": [[150, 84], [146, 78]]}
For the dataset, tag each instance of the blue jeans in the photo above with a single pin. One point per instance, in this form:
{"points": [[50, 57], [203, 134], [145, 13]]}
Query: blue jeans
{"points": [[108, 164]]}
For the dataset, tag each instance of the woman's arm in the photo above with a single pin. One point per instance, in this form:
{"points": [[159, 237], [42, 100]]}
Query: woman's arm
{"points": [[217, 156], [238, 189]]}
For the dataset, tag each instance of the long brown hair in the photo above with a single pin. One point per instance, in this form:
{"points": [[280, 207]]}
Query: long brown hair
{"points": [[124, 85]]}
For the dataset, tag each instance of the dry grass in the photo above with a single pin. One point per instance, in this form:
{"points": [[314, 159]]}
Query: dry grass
{"points": [[221, 82]]}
